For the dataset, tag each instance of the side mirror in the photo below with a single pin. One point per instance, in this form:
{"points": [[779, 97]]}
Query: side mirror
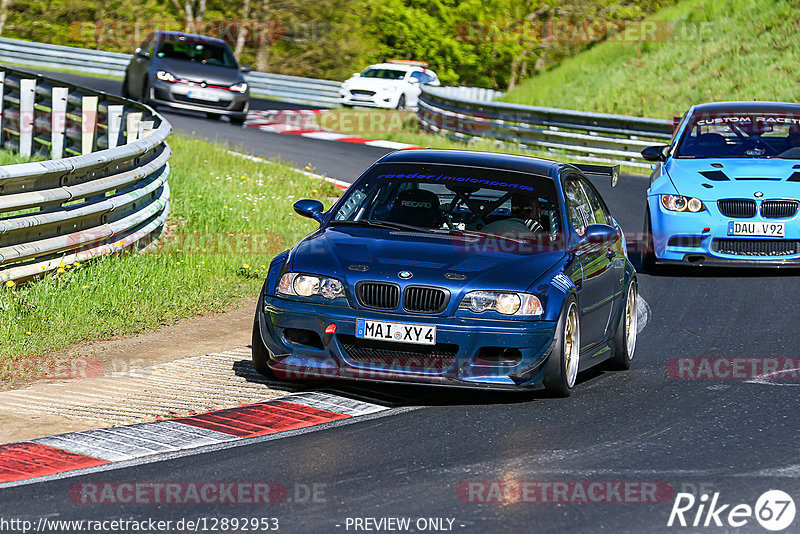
{"points": [[144, 54], [413, 80], [308, 207], [656, 153], [599, 234], [356, 75], [245, 68]]}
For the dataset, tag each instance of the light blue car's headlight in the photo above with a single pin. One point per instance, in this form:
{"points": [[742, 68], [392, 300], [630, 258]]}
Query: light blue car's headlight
{"points": [[307, 285], [504, 302], [680, 203]]}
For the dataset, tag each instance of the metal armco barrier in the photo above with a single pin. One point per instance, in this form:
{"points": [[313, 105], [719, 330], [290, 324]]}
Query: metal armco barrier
{"points": [[110, 193], [582, 135], [323, 93]]}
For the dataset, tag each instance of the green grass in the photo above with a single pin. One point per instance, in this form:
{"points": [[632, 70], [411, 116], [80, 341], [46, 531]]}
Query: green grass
{"points": [[745, 50], [402, 127], [216, 199]]}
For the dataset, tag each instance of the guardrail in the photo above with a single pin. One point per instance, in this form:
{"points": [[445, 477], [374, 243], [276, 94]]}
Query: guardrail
{"points": [[108, 195], [289, 88], [584, 136]]}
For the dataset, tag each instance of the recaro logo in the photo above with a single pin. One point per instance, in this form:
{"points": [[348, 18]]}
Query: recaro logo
{"points": [[774, 510], [412, 204]]}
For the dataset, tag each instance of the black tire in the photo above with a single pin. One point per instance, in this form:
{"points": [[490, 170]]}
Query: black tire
{"points": [[213, 116], [260, 352], [125, 92], [647, 254], [556, 380], [401, 103], [623, 354], [238, 121]]}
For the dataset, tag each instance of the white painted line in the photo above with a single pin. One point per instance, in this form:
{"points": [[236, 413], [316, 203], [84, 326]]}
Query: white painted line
{"points": [[327, 136], [390, 144]]}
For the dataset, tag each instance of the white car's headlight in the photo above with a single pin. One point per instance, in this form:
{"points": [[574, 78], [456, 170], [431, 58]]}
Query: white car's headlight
{"points": [[390, 89], [504, 302], [307, 285], [679, 203], [240, 87], [166, 76]]}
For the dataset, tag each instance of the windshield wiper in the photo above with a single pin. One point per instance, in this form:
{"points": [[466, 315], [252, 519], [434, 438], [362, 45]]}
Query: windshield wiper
{"points": [[384, 224]]}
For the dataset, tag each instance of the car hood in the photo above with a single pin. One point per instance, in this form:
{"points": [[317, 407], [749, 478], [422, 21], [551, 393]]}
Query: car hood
{"points": [[372, 84], [211, 74], [734, 178], [470, 264]]}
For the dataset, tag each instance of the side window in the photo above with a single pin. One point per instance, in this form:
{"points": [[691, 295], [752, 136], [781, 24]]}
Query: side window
{"points": [[578, 209], [599, 214], [419, 76]]}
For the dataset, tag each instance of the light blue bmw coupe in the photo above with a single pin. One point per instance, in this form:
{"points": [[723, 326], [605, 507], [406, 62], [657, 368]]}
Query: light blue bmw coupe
{"points": [[725, 191]]}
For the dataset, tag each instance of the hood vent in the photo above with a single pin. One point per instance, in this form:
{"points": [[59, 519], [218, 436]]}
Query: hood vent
{"points": [[716, 176]]}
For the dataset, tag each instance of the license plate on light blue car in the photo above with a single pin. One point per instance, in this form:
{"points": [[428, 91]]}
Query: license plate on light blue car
{"points": [[397, 332], [756, 229]]}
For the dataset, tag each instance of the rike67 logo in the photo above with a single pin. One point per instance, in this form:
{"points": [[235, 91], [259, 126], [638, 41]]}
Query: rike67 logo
{"points": [[774, 510]]}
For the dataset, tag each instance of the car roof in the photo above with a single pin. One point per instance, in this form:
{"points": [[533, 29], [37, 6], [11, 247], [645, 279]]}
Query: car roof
{"points": [[161, 35], [747, 106], [471, 158], [401, 66]]}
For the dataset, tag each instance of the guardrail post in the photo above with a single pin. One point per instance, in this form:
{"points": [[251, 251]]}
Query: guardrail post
{"points": [[132, 131], [27, 99], [88, 123], [114, 125], [58, 121], [2, 107]]}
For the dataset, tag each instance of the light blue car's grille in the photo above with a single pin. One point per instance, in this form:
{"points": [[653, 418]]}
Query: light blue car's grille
{"points": [[740, 208]]}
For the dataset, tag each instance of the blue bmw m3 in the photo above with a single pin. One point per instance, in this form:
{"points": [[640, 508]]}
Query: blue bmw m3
{"points": [[726, 190], [453, 268]]}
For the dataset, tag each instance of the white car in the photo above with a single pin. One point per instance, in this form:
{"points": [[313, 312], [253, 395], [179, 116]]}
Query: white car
{"points": [[392, 85]]}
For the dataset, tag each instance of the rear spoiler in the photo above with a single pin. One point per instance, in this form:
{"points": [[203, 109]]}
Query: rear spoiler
{"points": [[605, 170]]}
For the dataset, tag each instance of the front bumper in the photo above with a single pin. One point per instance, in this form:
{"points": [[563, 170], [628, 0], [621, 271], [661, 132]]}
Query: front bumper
{"points": [[379, 99], [454, 361], [178, 96], [702, 239]]}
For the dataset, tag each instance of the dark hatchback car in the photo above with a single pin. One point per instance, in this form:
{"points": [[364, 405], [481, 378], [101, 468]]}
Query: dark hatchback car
{"points": [[453, 268], [188, 71]]}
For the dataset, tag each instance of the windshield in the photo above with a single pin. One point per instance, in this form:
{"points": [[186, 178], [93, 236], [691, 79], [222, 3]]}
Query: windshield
{"points": [[207, 53], [741, 135], [482, 203], [384, 74]]}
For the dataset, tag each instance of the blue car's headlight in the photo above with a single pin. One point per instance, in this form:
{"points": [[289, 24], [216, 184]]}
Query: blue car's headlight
{"points": [[503, 302], [679, 203], [307, 285], [166, 76]]}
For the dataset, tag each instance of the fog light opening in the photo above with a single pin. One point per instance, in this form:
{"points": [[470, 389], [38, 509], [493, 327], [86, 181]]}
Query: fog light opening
{"points": [[498, 356]]}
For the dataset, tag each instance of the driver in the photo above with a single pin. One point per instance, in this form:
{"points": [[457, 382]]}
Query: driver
{"points": [[526, 209]]}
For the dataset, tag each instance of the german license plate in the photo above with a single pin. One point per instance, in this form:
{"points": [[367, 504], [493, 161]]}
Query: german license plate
{"points": [[203, 94], [765, 229], [397, 332]]}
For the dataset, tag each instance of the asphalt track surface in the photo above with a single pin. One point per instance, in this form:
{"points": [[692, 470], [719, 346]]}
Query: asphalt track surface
{"points": [[735, 437]]}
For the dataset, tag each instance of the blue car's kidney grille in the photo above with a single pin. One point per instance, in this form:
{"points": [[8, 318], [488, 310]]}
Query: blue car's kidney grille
{"points": [[378, 295], [741, 208], [779, 209], [422, 299], [756, 247], [398, 356]]}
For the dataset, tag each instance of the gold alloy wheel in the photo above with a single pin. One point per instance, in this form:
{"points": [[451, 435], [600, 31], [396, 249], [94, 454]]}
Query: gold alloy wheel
{"points": [[631, 319], [572, 344]]}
